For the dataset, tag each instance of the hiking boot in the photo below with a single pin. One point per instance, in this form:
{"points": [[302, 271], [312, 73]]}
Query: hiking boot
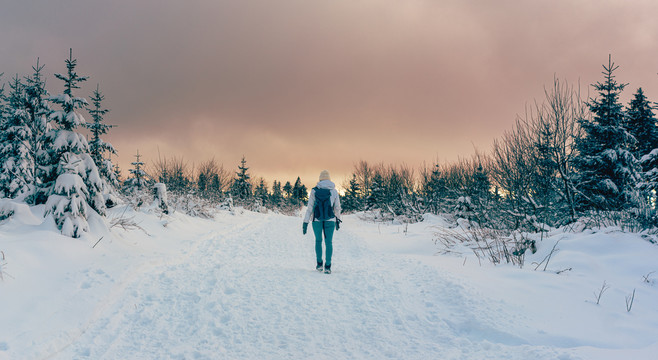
{"points": [[319, 267], [327, 269]]}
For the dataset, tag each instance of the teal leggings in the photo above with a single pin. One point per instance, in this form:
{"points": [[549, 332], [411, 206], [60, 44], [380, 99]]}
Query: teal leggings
{"points": [[326, 227]]}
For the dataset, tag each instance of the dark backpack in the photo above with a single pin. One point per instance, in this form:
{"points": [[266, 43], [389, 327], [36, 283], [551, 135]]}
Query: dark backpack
{"points": [[323, 210]]}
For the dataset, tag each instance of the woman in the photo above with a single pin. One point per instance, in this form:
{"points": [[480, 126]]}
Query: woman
{"points": [[324, 210]]}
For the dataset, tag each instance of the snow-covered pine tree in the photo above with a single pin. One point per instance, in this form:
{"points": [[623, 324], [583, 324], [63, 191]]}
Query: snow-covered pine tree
{"points": [[71, 176], [351, 201], [202, 182], [16, 164], [38, 111], [434, 190], [377, 191], [608, 172], [276, 199], [299, 193], [261, 194], [138, 178], [68, 202], [117, 171], [3, 119], [98, 148], [641, 123], [287, 190], [216, 185], [649, 183], [241, 187], [480, 194], [2, 101]]}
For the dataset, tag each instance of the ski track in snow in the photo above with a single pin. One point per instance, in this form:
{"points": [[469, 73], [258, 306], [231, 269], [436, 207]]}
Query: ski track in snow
{"points": [[253, 293]]}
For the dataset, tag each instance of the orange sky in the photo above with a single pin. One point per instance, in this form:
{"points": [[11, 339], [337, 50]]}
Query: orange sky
{"points": [[298, 86]]}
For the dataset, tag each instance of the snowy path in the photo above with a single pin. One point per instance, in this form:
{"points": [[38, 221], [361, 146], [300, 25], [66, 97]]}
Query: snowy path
{"points": [[252, 293]]}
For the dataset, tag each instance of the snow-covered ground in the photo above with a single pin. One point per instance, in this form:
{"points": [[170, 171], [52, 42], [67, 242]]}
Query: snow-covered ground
{"points": [[243, 286]]}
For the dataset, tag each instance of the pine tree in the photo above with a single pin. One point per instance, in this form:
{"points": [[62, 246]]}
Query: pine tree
{"points": [[641, 123], [435, 190], [481, 185], [351, 201], [377, 191], [649, 183], [98, 148], [608, 171], [138, 179], [71, 176], [241, 188], [215, 186], [38, 111], [287, 190], [276, 199], [544, 172], [2, 106], [299, 193], [480, 194], [396, 193], [261, 194], [202, 182], [16, 164], [117, 171]]}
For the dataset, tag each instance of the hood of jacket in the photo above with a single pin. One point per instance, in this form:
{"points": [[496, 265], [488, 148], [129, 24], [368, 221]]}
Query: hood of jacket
{"points": [[326, 184]]}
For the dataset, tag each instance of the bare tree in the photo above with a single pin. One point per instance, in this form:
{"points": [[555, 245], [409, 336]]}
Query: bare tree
{"points": [[533, 163], [557, 128], [212, 179], [174, 172], [364, 175]]}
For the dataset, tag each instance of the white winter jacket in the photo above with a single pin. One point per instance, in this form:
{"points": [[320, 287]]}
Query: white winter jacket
{"points": [[335, 200]]}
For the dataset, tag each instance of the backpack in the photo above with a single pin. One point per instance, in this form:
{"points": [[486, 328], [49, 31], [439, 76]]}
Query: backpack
{"points": [[323, 210]]}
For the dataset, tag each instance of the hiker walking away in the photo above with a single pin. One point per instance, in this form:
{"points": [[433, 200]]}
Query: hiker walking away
{"points": [[324, 211]]}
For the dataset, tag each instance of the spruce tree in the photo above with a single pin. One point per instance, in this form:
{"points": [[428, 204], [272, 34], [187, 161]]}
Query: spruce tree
{"points": [[641, 123], [435, 190], [38, 110], [261, 194], [71, 176], [241, 188], [215, 186], [16, 164], [351, 201], [480, 185], [2, 106], [117, 171], [138, 179], [649, 183], [480, 194], [276, 199], [608, 171], [202, 182], [287, 190], [377, 193], [299, 193], [100, 150], [542, 191]]}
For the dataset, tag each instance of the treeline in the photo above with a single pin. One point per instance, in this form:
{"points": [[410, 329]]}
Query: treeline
{"points": [[566, 159], [213, 184]]}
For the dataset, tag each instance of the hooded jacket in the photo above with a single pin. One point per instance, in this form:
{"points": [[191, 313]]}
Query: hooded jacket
{"points": [[335, 200]]}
